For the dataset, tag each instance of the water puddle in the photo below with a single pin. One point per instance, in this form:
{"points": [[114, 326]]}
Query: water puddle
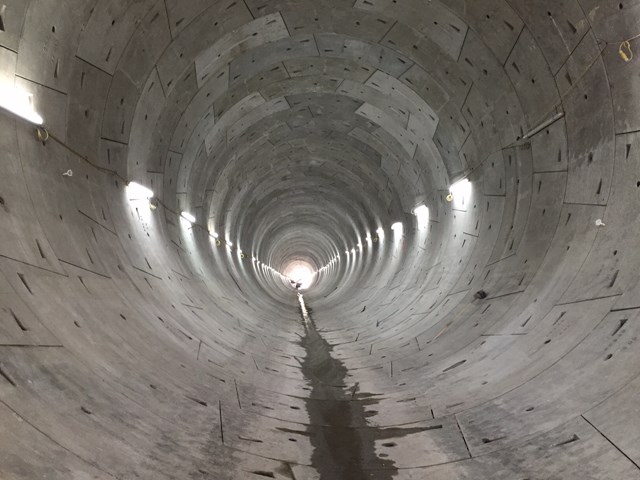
{"points": [[340, 450]]}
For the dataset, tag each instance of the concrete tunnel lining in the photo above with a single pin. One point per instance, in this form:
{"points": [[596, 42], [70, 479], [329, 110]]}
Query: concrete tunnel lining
{"points": [[133, 346]]}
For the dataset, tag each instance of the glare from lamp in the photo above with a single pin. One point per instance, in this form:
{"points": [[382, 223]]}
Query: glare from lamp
{"points": [[422, 214], [397, 227], [19, 103], [135, 191], [460, 189], [188, 217]]}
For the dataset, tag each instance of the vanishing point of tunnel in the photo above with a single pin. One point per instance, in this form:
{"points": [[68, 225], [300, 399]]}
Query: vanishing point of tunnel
{"points": [[319, 239]]}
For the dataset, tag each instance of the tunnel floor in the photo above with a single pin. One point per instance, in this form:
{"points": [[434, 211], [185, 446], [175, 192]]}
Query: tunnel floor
{"points": [[344, 446]]}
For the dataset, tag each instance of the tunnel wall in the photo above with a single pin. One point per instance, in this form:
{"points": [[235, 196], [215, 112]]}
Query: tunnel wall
{"points": [[131, 346]]}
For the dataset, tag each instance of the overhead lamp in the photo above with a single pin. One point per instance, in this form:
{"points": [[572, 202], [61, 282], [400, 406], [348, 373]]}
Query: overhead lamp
{"points": [[135, 191], [459, 189], [229, 244], [422, 214], [188, 217], [19, 103], [214, 234], [353, 251], [397, 227]]}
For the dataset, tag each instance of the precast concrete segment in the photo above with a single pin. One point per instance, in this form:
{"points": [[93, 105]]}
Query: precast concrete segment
{"points": [[134, 345]]}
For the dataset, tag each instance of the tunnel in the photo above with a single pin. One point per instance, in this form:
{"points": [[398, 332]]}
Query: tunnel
{"points": [[319, 239]]}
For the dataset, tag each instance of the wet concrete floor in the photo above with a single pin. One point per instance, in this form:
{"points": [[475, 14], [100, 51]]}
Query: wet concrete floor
{"points": [[344, 447]]}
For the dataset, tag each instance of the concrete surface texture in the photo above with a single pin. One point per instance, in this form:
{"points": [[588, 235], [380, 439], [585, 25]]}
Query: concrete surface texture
{"points": [[133, 345]]}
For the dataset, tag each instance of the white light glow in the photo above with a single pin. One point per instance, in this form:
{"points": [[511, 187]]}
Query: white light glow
{"points": [[460, 189], [300, 273], [422, 213], [229, 244], [380, 233], [214, 234], [397, 227], [135, 191], [188, 217], [20, 103]]}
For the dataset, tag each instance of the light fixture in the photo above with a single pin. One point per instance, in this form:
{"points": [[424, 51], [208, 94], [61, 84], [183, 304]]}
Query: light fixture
{"points": [[135, 191], [188, 217], [353, 251], [229, 244], [459, 189], [422, 214], [397, 227], [19, 103], [214, 234]]}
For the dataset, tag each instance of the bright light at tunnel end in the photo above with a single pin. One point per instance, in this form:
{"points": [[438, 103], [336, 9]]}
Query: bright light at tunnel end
{"points": [[300, 273]]}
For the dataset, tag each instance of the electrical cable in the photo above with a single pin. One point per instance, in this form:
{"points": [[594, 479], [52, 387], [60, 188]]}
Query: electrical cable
{"points": [[44, 135]]}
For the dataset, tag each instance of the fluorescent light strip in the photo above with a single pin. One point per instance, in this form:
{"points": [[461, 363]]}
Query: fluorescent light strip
{"points": [[188, 217]]}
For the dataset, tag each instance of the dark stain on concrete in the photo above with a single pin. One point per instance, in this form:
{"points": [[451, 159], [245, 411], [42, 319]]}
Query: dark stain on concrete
{"points": [[344, 447]]}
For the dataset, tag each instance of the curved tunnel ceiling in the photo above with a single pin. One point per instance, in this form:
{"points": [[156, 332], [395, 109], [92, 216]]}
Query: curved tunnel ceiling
{"points": [[495, 340]]}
